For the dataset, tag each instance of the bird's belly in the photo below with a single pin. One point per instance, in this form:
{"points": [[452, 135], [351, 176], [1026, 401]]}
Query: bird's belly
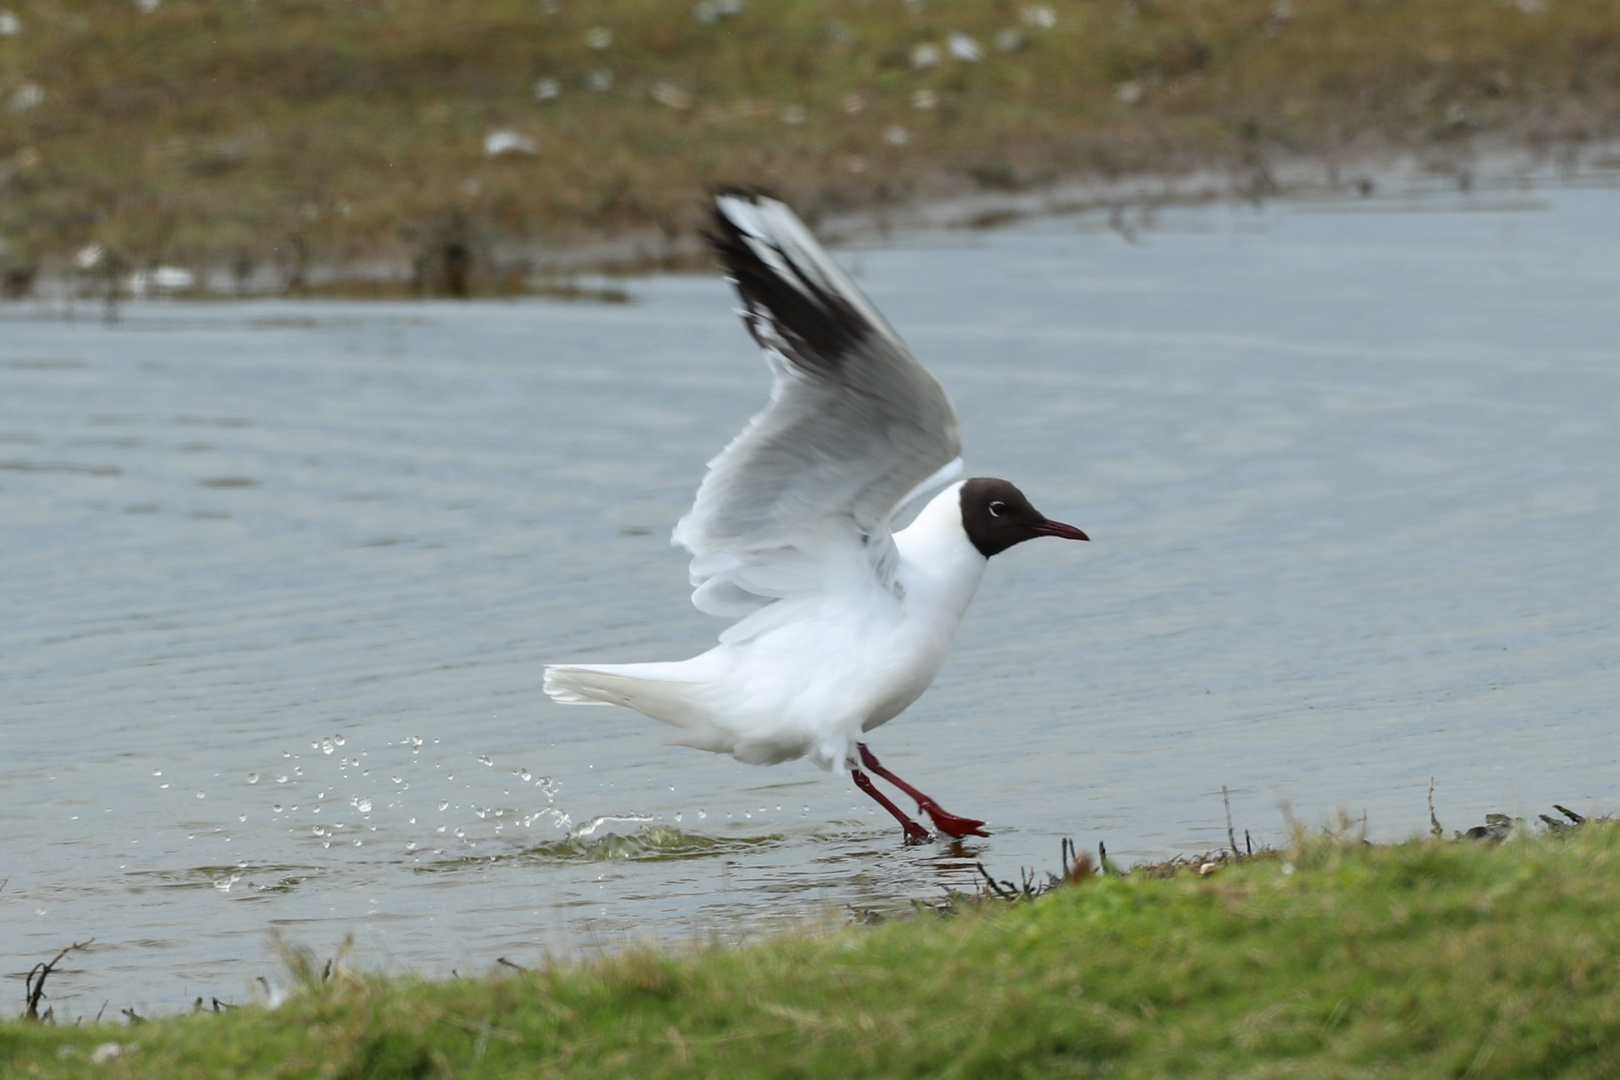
{"points": [[815, 680]]}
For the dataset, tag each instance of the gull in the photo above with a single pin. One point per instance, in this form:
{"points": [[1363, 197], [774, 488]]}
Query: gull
{"points": [[840, 621]]}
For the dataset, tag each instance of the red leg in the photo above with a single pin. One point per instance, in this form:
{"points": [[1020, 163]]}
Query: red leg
{"points": [[943, 821], [914, 831]]}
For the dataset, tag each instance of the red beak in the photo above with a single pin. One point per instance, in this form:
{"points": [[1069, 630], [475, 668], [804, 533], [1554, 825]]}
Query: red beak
{"points": [[1057, 528]]}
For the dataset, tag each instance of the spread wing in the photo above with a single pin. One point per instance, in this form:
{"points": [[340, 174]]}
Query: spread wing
{"points": [[802, 499]]}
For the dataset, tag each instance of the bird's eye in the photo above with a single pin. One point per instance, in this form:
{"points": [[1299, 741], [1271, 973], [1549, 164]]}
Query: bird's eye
{"points": [[996, 507]]}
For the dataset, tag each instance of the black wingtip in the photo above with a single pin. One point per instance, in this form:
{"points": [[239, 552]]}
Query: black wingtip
{"points": [[816, 324], [722, 234]]}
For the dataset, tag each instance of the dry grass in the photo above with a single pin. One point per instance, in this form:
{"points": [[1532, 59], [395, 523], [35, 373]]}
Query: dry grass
{"points": [[289, 132]]}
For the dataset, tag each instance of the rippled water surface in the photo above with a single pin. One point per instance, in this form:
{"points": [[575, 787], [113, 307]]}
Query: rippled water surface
{"points": [[279, 579]]}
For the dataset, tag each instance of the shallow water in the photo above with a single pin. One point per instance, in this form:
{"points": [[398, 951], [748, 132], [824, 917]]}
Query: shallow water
{"points": [[279, 579]]}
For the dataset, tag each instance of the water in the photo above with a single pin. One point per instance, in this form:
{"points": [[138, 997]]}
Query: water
{"points": [[279, 579]]}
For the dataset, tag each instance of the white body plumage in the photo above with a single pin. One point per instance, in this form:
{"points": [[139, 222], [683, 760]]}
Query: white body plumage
{"points": [[831, 664]]}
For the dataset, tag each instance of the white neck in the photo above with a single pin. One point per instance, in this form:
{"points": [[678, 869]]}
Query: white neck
{"points": [[939, 566]]}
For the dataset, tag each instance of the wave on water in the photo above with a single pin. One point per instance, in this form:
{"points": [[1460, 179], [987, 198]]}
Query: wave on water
{"points": [[607, 839]]}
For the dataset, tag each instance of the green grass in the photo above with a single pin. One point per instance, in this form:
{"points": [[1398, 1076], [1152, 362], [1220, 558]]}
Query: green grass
{"points": [[1335, 959], [318, 131]]}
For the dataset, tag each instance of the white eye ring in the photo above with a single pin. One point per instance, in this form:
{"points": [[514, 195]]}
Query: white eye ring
{"points": [[996, 507]]}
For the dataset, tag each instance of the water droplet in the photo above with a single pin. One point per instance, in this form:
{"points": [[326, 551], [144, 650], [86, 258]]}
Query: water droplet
{"points": [[164, 784], [339, 739], [398, 779], [275, 808], [157, 772], [359, 843], [281, 778], [202, 794], [444, 805], [298, 770], [253, 778], [319, 830], [327, 746], [363, 805], [413, 821], [241, 817], [480, 813]]}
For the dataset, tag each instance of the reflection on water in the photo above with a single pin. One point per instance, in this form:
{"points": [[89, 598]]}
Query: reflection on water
{"points": [[280, 579]]}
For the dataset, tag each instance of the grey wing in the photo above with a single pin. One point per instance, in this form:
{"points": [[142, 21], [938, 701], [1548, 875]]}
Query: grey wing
{"points": [[855, 427]]}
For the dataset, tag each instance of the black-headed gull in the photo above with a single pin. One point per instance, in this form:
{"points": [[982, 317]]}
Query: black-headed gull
{"points": [[840, 623]]}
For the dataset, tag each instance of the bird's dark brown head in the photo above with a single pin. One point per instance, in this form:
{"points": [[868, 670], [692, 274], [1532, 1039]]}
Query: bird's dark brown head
{"points": [[996, 515]]}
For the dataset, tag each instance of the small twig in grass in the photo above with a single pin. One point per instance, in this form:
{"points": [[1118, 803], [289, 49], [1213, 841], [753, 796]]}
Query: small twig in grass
{"points": [[34, 987], [1231, 837], [508, 963], [1434, 822], [1248, 842], [994, 886], [101, 1010]]}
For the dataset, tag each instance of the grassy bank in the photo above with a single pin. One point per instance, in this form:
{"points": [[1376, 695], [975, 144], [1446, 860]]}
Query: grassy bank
{"points": [[1334, 959], [281, 133]]}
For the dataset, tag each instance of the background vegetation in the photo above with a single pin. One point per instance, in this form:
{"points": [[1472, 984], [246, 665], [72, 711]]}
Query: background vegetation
{"points": [[279, 132]]}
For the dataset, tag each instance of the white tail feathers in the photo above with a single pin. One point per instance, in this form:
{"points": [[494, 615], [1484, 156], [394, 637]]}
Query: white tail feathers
{"points": [[651, 689], [662, 691], [562, 686]]}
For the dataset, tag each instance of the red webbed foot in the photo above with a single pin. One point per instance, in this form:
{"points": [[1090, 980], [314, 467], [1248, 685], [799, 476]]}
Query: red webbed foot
{"points": [[951, 824]]}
